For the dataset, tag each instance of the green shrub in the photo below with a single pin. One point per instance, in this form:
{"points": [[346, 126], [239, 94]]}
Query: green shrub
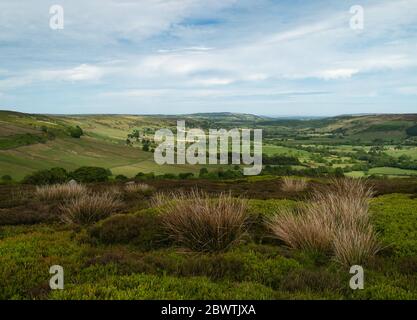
{"points": [[412, 131], [91, 174], [142, 230], [121, 178], [76, 132], [258, 210], [203, 172], [27, 255], [168, 176], [151, 287], [384, 291], [6, 178], [145, 176], [186, 175], [395, 219], [18, 140], [44, 177], [319, 280], [27, 215]]}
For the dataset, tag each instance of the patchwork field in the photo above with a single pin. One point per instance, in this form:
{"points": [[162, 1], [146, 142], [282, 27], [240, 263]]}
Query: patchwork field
{"points": [[358, 146]]}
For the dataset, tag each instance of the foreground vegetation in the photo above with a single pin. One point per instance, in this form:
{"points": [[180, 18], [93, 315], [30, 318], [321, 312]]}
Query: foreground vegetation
{"points": [[139, 241]]}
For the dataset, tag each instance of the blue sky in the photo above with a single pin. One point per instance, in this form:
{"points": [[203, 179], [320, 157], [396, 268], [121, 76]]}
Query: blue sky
{"points": [[263, 57]]}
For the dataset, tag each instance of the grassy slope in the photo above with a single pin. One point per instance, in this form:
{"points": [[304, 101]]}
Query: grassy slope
{"points": [[101, 146]]}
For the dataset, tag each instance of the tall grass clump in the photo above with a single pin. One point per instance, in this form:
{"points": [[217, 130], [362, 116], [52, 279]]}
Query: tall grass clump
{"points": [[335, 220], [89, 208], [300, 229], [200, 223], [139, 188], [60, 191], [293, 185]]}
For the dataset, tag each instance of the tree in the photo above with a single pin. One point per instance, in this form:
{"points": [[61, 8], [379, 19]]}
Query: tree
{"points": [[6, 178], [203, 172], [91, 174], [412, 131], [76, 132]]}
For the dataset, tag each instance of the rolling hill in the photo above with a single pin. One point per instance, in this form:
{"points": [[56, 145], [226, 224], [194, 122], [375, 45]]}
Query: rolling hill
{"points": [[29, 142]]}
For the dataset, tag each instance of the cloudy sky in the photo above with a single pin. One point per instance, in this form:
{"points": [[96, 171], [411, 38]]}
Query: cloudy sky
{"points": [[288, 57]]}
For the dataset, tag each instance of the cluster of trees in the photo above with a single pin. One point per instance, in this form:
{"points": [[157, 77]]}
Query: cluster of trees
{"points": [[280, 160], [376, 157], [412, 131], [204, 173], [308, 172], [135, 136], [60, 175]]}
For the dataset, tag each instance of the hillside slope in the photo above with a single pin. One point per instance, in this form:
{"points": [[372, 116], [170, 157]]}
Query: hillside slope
{"points": [[26, 147], [31, 142]]}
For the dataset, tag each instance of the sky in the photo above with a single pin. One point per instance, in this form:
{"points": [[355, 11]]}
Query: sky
{"points": [[274, 58]]}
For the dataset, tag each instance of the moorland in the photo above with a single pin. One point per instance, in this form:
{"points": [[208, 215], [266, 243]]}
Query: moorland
{"points": [[83, 192]]}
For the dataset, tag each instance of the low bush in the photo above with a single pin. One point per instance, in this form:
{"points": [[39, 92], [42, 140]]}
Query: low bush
{"points": [[151, 287], [238, 265], [320, 280], [28, 214], [395, 219], [142, 230]]}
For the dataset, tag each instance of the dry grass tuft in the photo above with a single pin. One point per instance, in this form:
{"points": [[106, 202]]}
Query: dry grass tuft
{"points": [[139, 188], [60, 191], [300, 229], [293, 185], [200, 223], [89, 208], [335, 220], [355, 245]]}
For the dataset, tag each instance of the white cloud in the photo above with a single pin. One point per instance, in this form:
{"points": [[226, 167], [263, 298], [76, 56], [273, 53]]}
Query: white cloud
{"points": [[82, 72], [337, 74], [214, 81], [412, 91]]}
